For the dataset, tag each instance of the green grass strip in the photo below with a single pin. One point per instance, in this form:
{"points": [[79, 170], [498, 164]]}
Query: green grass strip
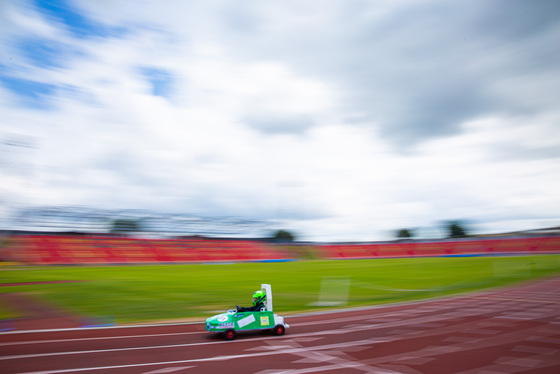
{"points": [[129, 294]]}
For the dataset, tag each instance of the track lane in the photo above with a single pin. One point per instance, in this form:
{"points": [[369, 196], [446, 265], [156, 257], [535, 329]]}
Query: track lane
{"points": [[512, 330]]}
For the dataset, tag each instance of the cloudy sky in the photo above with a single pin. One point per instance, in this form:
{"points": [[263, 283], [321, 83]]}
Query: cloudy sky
{"points": [[343, 120]]}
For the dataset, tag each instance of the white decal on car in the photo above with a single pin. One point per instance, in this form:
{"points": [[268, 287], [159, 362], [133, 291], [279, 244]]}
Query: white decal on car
{"points": [[245, 321]]}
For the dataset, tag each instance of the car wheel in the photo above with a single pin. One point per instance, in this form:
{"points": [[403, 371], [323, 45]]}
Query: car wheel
{"points": [[279, 330], [230, 334]]}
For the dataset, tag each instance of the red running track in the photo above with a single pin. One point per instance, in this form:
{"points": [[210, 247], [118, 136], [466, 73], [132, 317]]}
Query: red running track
{"points": [[510, 330]]}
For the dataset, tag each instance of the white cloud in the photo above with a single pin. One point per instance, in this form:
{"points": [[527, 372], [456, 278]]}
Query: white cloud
{"points": [[289, 113]]}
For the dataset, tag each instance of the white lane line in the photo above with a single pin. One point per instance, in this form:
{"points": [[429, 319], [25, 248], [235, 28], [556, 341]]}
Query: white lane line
{"points": [[319, 322], [99, 338], [315, 333], [343, 319], [223, 358], [27, 342], [139, 326], [367, 308], [317, 369], [447, 301], [320, 369], [169, 370], [344, 330], [516, 299], [32, 355], [333, 356]]}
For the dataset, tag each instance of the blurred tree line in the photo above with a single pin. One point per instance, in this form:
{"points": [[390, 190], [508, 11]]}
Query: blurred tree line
{"points": [[126, 225], [283, 236], [453, 229]]}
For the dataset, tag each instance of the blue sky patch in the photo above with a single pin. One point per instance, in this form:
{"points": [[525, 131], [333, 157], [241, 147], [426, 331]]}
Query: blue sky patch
{"points": [[77, 23], [31, 93], [46, 53], [161, 81]]}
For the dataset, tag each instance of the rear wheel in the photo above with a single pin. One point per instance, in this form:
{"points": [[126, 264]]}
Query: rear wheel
{"points": [[279, 330], [229, 334]]}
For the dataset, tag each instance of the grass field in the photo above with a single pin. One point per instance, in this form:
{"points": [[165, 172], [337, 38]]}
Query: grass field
{"points": [[164, 292]]}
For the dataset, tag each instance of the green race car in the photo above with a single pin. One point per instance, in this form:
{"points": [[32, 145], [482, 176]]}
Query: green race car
{"points": [[242, 320]]}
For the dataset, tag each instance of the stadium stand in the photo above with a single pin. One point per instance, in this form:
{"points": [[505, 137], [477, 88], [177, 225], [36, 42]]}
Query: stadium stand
{"points": [[67, 250], [460, 247], [95, 250]]}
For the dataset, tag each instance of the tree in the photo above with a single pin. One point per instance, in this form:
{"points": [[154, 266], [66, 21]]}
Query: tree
{"points": [[284, 236], [456, 230], [125, 225], [404, 234]]}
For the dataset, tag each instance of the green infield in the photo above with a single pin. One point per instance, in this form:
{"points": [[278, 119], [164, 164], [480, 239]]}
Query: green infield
{"points": [[128, 294]]}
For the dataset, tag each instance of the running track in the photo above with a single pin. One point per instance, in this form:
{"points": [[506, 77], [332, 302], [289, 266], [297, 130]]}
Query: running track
{"points": [[510, 330]]}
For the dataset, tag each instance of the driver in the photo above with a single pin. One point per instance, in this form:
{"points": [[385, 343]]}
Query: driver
{"points": [[259, 297]]}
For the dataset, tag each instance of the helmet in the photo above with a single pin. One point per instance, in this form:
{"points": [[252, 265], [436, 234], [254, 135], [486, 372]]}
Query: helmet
{"points": [[259, 297]]}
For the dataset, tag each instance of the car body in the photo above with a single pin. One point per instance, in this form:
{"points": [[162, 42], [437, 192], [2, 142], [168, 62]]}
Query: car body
{"points": [[234, 320]]}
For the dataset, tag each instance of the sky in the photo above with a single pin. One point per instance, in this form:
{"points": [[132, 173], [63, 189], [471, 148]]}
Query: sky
{"points": [[337, 120]]}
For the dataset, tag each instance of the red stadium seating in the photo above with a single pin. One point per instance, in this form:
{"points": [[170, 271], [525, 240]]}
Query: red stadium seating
{"points": [[62, 249], [443, 248]]}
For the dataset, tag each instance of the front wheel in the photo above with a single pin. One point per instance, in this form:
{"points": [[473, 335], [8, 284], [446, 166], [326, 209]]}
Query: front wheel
{"points": [[279, 330], [229, 334]]}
